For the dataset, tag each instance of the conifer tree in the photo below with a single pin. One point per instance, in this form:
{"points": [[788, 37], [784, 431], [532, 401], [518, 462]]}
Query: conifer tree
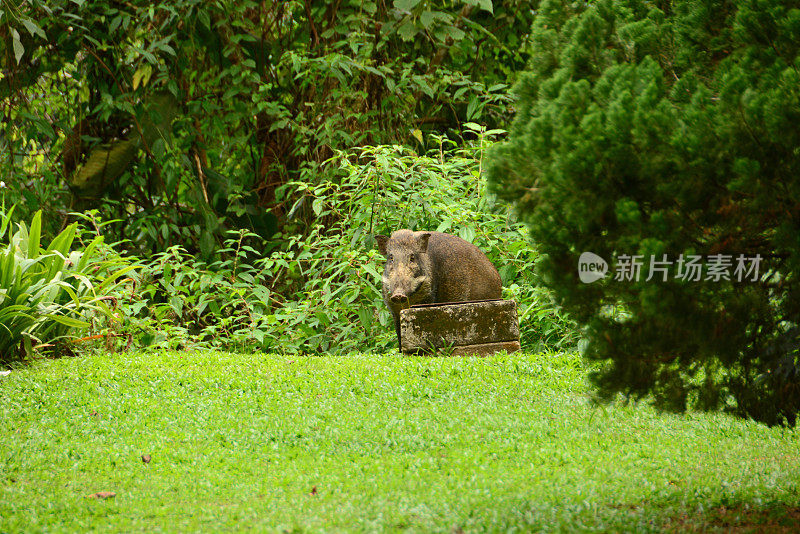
{"points": [[653, 128]]}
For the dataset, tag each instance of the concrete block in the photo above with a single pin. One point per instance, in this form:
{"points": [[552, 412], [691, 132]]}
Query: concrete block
{"points": [[464, 328]]}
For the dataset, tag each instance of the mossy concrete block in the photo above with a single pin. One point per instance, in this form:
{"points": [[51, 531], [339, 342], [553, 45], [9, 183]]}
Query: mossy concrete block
{"points": [[460, 328]]}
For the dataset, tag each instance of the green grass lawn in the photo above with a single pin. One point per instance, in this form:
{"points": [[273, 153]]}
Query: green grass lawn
{"points": [[370, 443]]}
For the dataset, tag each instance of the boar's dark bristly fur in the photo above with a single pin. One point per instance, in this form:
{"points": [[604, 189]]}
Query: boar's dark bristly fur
{"points": [[432, 267]]}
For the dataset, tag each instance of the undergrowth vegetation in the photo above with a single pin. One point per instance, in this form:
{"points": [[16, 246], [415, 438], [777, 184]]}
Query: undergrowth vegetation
{"points": [[316, 288], [46, 292]]}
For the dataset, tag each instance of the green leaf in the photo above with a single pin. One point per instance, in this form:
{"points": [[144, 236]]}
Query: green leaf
{"points": [[115, 22], [169, 50], [204, 19], [88, 254], [176, 303], [68, 321], [7, 268], [318, 205], [63, 241], [427, 18], [18, 48], [72, 295], [467, 233], [474, 108], [407, 30], [365, 316], [104, 165], [33, 28], [423, 86], [6, 220], [486, 5], [34, 236], [137, 77], [405, 5], [299, 202], [456, 33]]}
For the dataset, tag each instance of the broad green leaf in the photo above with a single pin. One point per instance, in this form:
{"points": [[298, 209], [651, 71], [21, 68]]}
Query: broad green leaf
{"points": [[137, 77], [207, 243], [467, 233], [115, 22], [115, 276], [423, 86], [72, 295], [444, 226], [407, 30], [474, 108], [88, 254], [104, 164], [6, 221], [405, 5], [371, 270], [426, 18], [68, 321], [86, 282], [176, 303], [456, 33], [7, 268], [63, 241], [365, 316], [33, 28], [318, 205], [35, 234], [19, 50], [142, 75]]}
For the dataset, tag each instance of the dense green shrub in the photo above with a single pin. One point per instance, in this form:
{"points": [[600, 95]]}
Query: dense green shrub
{"points": [[322, 293], [653, 128], [46, 293], [181, 119]]}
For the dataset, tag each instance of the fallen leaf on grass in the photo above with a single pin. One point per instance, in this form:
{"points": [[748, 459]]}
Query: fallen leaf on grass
{"points": [[146, 458], [102, 495], [313, 491]]}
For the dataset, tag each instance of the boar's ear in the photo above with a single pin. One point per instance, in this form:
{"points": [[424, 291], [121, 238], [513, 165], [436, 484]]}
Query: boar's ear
{"points": [[381, 239], [422, 241]]}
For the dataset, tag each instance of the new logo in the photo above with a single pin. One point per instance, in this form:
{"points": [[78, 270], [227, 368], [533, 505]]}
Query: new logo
{"points": [[591, 267]]}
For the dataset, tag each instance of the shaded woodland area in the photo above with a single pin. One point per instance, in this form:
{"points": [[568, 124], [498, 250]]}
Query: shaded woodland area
{"points": [[184, 119]]}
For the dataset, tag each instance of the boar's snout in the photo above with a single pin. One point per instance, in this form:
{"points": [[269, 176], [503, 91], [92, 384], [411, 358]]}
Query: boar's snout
{"points": [[398, 297]]}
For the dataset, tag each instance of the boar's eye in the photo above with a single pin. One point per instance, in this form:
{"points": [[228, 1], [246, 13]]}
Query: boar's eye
{"points": [[389, 257], [413, 258]]}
